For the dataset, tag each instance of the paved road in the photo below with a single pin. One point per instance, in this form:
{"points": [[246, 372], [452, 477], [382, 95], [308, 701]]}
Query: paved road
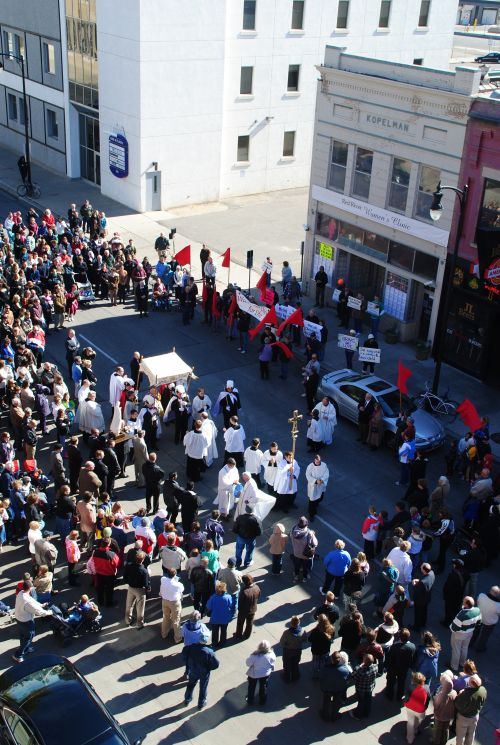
{"points": [[133, 671]]}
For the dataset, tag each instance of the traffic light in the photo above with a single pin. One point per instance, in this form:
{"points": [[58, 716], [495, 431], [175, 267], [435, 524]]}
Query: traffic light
{"points": [[173, 231]]}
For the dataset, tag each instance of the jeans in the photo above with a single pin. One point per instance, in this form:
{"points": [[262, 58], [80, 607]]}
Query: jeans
{"points": [[484, 634], [244, 543], [26, 631], [219, 633], [291, 660], [63, 527], [252, 685], [277, 563], [338, 583], [244, 341], [192, 681]]}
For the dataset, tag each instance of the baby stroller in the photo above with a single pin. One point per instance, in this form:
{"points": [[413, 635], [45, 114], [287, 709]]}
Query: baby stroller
{"points": [[75, 621], [85, 291]]}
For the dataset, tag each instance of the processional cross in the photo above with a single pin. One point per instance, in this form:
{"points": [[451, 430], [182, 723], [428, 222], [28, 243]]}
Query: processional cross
{"points": [[294, 421]]}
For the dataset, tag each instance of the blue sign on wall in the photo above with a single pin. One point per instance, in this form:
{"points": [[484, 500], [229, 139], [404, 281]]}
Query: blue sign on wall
{"points": [[118, 156]]}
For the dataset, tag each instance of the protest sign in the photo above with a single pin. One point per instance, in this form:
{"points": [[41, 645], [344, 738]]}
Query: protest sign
{"points": [[312, 328], [354, 303], [367, 354], [373, 308], [336, 296], [325, 250], [346, 341], [244, 304]]}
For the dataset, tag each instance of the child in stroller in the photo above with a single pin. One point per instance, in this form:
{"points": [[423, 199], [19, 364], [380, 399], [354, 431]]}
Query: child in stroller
{"points": [[82, 618]]}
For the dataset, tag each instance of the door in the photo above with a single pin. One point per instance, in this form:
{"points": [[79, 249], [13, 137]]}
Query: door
{"points": [[425, 318], [153, 191]]}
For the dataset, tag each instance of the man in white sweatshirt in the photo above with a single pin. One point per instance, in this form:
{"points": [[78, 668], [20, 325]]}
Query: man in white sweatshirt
{"points": [[27, 608]]}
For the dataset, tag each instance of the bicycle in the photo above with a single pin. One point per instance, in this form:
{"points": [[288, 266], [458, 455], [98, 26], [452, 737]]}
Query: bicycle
{"points": [[443, 406], [29, 190]]}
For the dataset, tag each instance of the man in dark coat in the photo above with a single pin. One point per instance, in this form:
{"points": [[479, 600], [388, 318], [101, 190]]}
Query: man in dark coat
{"points": [[321, 280], [101, 469], [200, 661], [248, 600], [75, 460], [189, 503], [398, 662], [111, 461], [153, 475], [171, 491], [453, 592], [365, 410], [333, 682], [422, 595]]}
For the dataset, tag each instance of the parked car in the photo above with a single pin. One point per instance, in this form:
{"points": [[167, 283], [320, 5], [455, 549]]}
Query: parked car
{"points": [[46, 701], [490, 57], [346, 389]]}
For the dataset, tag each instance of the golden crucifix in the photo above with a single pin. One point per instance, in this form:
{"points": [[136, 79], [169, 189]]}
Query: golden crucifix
{"points": [[294, 421]]}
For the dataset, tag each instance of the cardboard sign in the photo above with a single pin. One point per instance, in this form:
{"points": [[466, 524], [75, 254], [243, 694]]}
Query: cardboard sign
{"points": [[283, 311], [312, 328], [367, 354], [373, 309], [346, 341], [256, 311], [354, 302], [325, 250], [336, 296], [267, 267]]}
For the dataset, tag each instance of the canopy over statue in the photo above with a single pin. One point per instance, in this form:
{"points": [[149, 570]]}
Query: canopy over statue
{"points": [[166, 368]]}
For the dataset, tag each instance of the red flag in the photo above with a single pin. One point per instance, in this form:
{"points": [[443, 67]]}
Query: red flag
{"points": [[183, 256], [215, 310], [226, 258], [296, 319], [287, 351], [204, 294], [469, 415], [233, 306], [270, 317], [403, 375], [262, 283]]}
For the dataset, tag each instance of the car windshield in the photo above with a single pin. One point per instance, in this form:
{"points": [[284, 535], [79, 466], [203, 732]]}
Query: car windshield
{"points": [[378, 385], [23, 689], [392, 404]]}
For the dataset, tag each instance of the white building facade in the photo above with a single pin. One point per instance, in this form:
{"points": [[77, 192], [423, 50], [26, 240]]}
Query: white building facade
{"points": [[174, 103], [385, 135]]}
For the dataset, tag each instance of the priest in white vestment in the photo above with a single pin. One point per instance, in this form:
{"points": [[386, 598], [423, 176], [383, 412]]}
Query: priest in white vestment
{"points": [[270, 461], [234, 438], [285, 485], [253, 460], [210, 431], [317, 475], [201, 402], [327, 419], [90, 415], [116, 385], [195, 444], [261, 502], [228, 478]]}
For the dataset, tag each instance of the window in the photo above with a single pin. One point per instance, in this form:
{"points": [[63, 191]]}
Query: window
{"points": [[52, 125], [298, 15], [327, 226], [338, 166], [8, 42], [288, 144], [385, 12], [343, 14], [400, 179], [18, 45], [489, 217], [243, 154], [429, 179], [423, 18], [249, 7], [12, 106], [362, 173], [49, 59], [418, 61], [246, 80], [293, 78], [401, 256]]}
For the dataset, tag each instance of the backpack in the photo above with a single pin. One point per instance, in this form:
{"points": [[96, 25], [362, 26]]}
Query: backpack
{"points": [[215, 531]]}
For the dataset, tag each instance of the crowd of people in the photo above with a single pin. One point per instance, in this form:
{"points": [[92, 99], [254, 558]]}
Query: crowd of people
{"points": [[48, 264]]}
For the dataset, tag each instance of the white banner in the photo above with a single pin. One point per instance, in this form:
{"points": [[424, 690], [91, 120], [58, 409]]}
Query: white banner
{"points": [[336, 296], [312, 328], [346, 341], [372, 308], [367, 354], [283, 311], [354, 302], [257, 311], [267, 267]]}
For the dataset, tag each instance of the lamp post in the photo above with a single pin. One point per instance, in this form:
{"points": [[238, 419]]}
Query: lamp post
{"points": [[436, 210], [20, 60]]}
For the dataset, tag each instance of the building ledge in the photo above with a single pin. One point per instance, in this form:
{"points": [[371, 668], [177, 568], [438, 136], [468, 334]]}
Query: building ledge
{"points": [[247, 34], [241, 164]]}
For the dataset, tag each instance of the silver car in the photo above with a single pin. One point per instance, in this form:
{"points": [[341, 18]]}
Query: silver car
{"points": [[346, 389]]}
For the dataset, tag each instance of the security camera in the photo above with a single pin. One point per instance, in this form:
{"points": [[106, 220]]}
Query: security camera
{"points": [[306, 228]]}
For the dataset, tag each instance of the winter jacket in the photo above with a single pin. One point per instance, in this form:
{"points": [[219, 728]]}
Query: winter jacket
{"points": [[444, 707], [489, 607], [302, 537], [399, 657], [220, 608], [320, 642], [232, 578], [200, 660], [73, 552], [202, 579], [172, 557], [247, 527], [426, 661], [337, 562], [470, 701], [330, 610], [293, 639], [194, 632], [248, 600], [354, 582], [334, 678], [278, 540], [369, 529], [106, 561], [214, 530], [261, 665]]}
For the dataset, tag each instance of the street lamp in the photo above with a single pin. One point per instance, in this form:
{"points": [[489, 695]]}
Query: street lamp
{"points": [[20, 60], [435, 211]]}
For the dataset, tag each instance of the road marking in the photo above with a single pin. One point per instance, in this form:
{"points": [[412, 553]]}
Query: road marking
{"points": [[94, 346], [336, 530]]}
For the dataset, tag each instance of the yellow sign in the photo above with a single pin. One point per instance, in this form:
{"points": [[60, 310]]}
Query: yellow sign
{"points": [[325, 250]]}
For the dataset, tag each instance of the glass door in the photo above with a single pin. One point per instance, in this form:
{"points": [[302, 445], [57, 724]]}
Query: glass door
{"points": [[90, 159]]}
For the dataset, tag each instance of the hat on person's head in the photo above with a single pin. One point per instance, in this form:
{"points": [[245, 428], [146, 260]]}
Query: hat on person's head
{"points": [[352, 332], [231, 562], [180, 389], [303, 522], [230, 384], [370, 336], [106, 533]]}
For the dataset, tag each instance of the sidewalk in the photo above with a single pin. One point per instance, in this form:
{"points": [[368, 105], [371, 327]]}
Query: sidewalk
{"points": [[58, 192]]}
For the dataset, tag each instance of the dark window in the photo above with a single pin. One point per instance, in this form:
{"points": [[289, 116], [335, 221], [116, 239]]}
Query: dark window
{"points": [[429, 179], [385, 14], [401, 256], [327, 226], [293, 77], [249, 7], [351, 233], [246, 80], [52, 124], [423, 18], [243, 154], [338, 166], [425, 265], [400, 179], [362, 173], [489, 217], [12, 105], [377, 243], [343, 14], [298, 15], [288, 144], [357, 394]]}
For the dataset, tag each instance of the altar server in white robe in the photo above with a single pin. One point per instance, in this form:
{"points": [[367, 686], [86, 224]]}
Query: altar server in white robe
{"points": [[314, 433], [201, 402], [270, 460], [286, 482], [90, 415], [117, 382], [234, 438], [317, 475], [228, 478], [195, 445], [210, 431], [327, 419], [251, 496], [253, 460]]}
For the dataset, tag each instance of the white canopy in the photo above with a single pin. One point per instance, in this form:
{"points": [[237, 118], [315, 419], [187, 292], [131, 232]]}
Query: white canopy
{"points": [[166, 368]]}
